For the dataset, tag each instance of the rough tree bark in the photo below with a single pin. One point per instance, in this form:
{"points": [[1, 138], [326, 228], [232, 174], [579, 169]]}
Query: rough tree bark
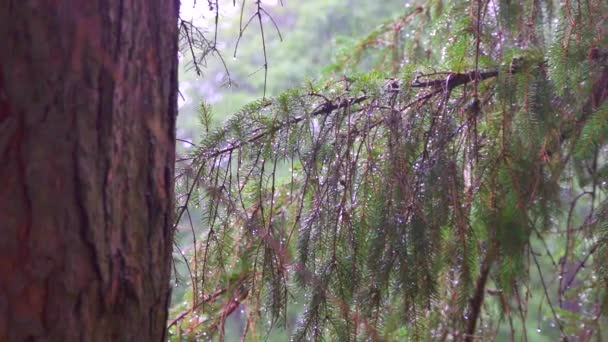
{"points": [[87, 113]]}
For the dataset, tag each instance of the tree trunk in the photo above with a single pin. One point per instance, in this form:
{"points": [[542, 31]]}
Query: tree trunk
{"points": [[87, 119]]}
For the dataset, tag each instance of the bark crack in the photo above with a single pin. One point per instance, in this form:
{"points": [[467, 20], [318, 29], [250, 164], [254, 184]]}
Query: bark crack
{"points": [[25, 230], [81, 204]]}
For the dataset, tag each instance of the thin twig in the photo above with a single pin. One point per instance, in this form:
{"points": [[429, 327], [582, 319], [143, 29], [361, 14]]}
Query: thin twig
{"points": [[542, 281]]}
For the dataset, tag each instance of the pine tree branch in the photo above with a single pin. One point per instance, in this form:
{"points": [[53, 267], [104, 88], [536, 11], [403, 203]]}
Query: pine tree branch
{"points": [[453, 80], [597, 97], [449, 82]]}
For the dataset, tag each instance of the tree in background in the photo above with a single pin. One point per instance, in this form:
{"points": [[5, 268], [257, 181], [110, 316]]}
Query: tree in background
{"points": [[88, 97], [456, 191]]}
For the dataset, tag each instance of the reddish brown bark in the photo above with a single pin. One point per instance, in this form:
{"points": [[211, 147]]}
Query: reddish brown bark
{"points": [[87, 115]]}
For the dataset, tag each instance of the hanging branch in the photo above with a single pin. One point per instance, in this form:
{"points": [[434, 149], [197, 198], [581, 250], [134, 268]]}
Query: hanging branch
{"points": [[367, 103], [476, 301], [257, 14], [440, 85], [546, 291], [193, 42], [196, 41]]}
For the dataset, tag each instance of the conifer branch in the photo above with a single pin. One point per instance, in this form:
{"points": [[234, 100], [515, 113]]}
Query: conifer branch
{"points": [[453, 80], [449, 82], [372, 165], [441, 85]]}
